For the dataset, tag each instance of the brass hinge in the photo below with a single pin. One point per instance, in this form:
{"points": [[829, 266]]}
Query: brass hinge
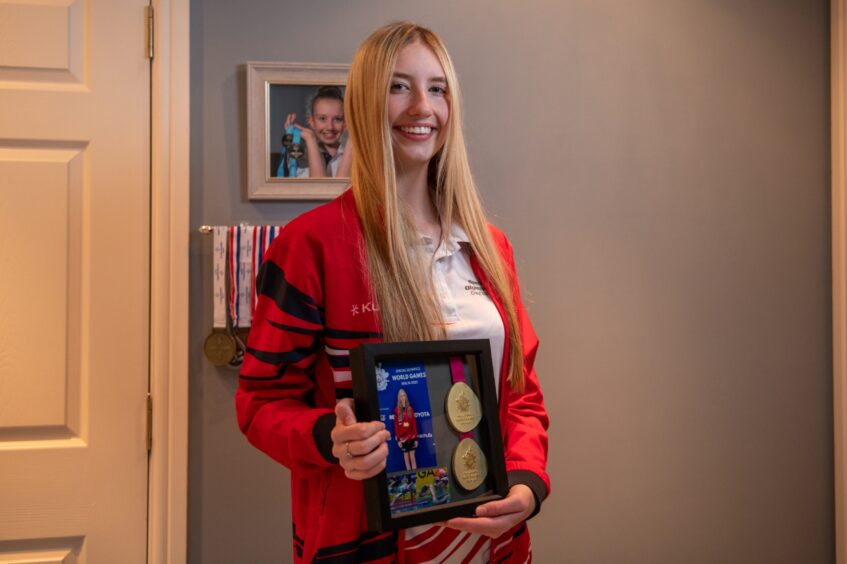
{"points": [[149, 439], [150, 29]]}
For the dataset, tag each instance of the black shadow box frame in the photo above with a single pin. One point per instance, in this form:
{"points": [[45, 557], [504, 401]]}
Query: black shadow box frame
{"points": [[366, 360]]}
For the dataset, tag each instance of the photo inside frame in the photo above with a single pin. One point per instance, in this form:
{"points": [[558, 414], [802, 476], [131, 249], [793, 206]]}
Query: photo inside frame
{"points": [[420, 470], [296, 101]]}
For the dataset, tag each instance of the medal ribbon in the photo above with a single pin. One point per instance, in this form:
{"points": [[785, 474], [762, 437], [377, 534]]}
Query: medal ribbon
{"points": [[292, 163], [457, 371], [219, 278], [245, 274], [257, 260], [234, 264], [262, 236]]}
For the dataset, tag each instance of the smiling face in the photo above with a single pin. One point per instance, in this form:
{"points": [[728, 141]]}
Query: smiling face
{"points": [[327, 121], [418, 107]]}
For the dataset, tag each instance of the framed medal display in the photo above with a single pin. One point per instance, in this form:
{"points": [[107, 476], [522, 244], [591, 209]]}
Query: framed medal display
{"points": [[438, 400]]}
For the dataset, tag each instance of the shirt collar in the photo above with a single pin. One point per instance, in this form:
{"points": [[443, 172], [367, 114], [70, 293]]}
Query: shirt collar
{"points": [[454, 242], [322, 148]]}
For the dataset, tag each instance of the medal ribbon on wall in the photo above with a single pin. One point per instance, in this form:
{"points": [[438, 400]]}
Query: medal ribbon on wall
{"points": [[237, 253]]}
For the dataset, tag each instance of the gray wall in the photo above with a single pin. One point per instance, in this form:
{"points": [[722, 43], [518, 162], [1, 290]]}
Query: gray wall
{"points": [[662, 170]]}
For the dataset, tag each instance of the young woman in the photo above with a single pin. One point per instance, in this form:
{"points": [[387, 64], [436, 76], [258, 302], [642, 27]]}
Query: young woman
{"points": [[391, 259], [406, 429]]}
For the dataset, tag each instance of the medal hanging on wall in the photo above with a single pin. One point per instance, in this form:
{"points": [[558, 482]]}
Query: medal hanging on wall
{"points": [[220, 346], [464, 412]]}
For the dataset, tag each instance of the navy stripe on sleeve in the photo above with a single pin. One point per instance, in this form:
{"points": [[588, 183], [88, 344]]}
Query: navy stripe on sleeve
{"points": [[271, 283]]}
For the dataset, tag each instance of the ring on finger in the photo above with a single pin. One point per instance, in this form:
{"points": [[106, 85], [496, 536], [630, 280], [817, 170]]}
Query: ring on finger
{"points": [[347, 452]]}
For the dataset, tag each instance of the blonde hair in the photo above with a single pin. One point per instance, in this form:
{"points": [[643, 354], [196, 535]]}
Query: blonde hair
{"points": [[389, 234], [405, 395]]}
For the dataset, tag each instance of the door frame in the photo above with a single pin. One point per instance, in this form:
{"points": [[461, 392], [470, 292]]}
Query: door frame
{"points": [[169, 237], [838, 117]]}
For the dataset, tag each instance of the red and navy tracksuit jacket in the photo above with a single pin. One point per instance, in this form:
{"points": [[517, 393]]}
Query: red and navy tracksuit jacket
{"points": [[313, 307]]}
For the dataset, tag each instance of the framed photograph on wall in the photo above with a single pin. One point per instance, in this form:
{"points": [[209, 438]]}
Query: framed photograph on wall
{"points": [[296, 135], [438, 401]]}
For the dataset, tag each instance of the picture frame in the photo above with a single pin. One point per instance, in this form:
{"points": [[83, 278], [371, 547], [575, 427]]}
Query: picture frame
{"points": [[456, 464], [275, 90]]}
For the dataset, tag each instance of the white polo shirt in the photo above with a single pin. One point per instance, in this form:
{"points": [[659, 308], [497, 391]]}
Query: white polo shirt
{"points": [[466, 309], [468, 313]]}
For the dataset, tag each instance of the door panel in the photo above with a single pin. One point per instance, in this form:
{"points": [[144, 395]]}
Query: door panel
{"points": [[74, 280], [42, 42], [37, 407]]}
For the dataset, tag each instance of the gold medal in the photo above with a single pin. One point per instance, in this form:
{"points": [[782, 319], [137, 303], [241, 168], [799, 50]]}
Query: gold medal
{"points": [[469, 465], [463, 409], [219, 347]]}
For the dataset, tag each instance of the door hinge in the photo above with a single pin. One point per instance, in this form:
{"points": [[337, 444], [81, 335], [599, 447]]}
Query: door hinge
{"points": [[149, 439], [150, 30]]}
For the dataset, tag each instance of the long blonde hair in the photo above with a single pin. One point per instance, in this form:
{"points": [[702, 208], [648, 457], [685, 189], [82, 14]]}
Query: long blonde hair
{"points": [[403, 289], [406, 407]]}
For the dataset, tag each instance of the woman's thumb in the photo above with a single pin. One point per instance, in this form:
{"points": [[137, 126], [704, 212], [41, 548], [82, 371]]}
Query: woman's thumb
{"points": [[344, 411]]}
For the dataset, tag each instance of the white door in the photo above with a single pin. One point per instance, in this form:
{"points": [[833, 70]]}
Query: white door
{"points": [[74, 280]]}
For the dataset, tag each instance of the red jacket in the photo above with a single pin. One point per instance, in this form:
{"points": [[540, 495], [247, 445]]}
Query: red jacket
{"points": [[313, 307], [405, 426]]}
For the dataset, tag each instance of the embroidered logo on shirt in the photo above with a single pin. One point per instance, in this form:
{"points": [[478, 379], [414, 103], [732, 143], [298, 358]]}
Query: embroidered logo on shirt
{"points": [[368, 307], [474, 288]]}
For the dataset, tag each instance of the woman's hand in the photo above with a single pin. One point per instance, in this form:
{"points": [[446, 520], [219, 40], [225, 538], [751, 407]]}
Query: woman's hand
{"points": [[360, 448], [496, 517]]}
